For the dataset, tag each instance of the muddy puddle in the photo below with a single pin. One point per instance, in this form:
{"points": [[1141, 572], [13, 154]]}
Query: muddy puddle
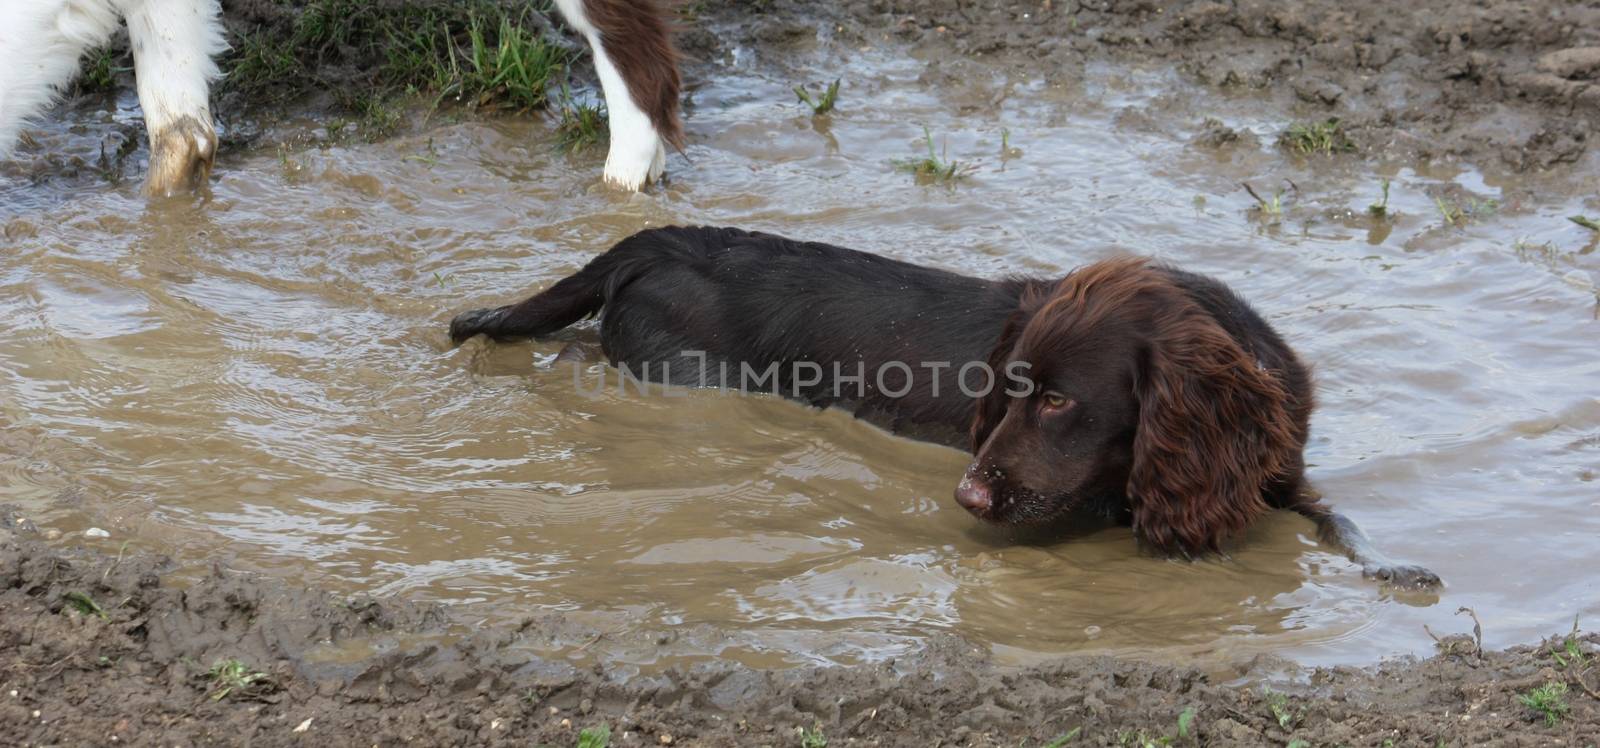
{"points": [[264, 376]]}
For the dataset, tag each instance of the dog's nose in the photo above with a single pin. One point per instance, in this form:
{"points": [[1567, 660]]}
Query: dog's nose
{"points": [[974, 496]]}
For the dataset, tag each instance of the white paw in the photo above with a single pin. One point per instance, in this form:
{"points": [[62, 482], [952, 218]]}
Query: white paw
{"points": [[635, 160], [180, 157]]}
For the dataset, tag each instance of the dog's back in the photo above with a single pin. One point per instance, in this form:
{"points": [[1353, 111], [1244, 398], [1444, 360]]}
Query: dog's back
{"points": [[689, 302]]}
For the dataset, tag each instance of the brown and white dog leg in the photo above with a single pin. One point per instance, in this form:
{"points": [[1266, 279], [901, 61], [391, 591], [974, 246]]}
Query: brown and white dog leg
{"points": [[638, 70], [174, 42]]}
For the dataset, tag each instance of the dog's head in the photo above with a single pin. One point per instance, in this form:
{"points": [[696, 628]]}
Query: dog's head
{"points": [[1136, 392]]}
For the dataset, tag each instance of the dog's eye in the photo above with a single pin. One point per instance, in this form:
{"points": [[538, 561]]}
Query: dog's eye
{"points": [[1056, 401]]}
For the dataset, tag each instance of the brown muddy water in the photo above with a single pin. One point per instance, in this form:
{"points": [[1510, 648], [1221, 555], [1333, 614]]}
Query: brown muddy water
{"points": [[264, 377]]}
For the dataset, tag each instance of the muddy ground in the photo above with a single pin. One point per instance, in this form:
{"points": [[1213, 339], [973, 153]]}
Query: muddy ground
{"points": [[1508, 83], [1504, 84], [98, 649]]}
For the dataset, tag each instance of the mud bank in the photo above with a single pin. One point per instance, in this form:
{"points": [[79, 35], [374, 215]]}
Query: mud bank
{"points": [[96, 649], [1513, 84], [1500, 83]]}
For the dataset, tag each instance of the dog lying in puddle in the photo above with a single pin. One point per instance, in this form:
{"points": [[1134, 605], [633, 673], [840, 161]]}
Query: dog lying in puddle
{"points": [[1144, 393]]}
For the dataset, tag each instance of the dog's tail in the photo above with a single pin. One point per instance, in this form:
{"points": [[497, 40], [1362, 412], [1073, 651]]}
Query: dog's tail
{"points": [[583, 293]]}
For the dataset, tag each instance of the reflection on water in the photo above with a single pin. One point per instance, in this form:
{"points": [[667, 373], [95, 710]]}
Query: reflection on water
{"points": [[265, 377]]}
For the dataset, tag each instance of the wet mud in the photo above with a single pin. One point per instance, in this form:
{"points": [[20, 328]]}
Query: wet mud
{"points": [[1511, 84], [101, 649]]}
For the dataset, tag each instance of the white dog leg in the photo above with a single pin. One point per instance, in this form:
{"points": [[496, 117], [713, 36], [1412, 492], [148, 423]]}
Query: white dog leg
{"points": [[637, 153], [174, 42], [638, 72], [40, 43]]}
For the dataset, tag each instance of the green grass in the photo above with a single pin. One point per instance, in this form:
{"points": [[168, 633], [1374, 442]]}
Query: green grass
{"points": [[1145, 739], [84, 605], [934, 168], [1549, 700], [510, 68], [260, 62], [595, 737], [1070, 736], [1586, 222], [823, 103], [1271, 208], [1380, 209], [377, 116], [1006, 151], [1458, 213], [1282, 712], [690, 11], [230, 677], [1310, 138], [813, 738], [98, 71], [1571, 652], [476, 52], [419, 55], [1142, 739], [581, 126], [1452, 212]]}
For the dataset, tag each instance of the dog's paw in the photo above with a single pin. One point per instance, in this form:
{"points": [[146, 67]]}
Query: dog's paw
{"points": [[470, 323], [180, 157], [1404, 575], [636, 157]]}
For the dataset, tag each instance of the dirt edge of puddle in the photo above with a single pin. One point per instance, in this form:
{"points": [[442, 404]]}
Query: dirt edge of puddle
{"points": [[97, 648]]}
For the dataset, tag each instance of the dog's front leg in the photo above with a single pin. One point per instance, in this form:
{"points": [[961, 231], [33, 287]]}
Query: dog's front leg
{"points": [[174, 42], [1341, 532]]}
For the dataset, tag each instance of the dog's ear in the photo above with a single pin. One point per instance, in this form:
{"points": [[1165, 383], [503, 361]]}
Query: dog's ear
{"points": [[989, 409], [1214, 432]]}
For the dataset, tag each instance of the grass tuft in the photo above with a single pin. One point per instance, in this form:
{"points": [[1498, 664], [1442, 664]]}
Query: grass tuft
{"points": [[84, 605], [99, 71], [1309, 138], [379, 116], [230, 677], [813, 738], [581, 126], [510, 68], [1070, 736], [824, 102], [1571, 653], [259, 63], [1272, 209], [1380, 209], [1549, 700], [595, 737], [477, 52], [1458, 213], [1007, 151], [934, 168], [1285, 715], [1143, 738]]}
